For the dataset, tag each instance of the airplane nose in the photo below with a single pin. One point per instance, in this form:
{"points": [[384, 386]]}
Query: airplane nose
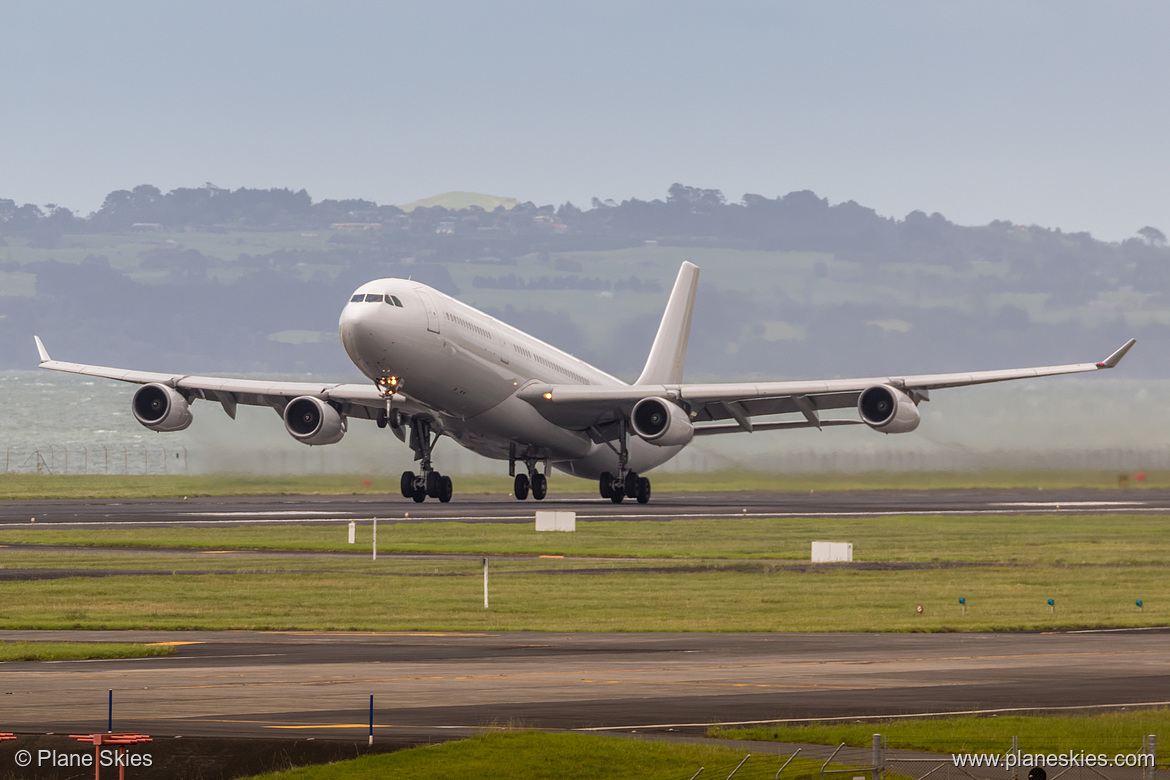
{"points": [[365, 336]]}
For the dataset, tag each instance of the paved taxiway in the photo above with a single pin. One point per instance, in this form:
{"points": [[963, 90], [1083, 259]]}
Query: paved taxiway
{"points": [[502, 509], [312, 684]]}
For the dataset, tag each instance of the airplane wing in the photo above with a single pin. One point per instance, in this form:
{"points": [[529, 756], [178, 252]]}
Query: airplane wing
{"points": [[354, 400], [709, 405]]}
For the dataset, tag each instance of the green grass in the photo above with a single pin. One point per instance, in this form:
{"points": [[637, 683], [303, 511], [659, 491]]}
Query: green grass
{"points": [[987, 539], [565, 596], [539, 756], [33, 486], [72, 651], [734, 574], [1109, 733]]}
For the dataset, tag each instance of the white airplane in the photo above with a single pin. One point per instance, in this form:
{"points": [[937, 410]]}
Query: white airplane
{"points": [[439, 367]]}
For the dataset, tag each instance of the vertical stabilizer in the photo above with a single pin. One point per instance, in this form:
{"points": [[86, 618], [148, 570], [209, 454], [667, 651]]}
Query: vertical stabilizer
{"points": [[668, 356]]}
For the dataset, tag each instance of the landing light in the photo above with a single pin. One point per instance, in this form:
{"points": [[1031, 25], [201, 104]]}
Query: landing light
{"points": [[388, 381], [548, 396]]}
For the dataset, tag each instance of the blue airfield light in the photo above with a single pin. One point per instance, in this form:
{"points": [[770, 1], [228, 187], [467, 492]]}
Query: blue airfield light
{"points": [[963, 605], [1052, 605], [1139, 605]]}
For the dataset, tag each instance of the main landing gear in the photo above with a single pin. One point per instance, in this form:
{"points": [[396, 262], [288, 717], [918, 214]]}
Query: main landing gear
{"points": [[625, 484], [428, 482], [529, 480], [618, 488]]}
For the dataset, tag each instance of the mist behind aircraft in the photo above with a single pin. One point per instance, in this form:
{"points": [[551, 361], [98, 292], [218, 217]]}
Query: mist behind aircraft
{"points": [[1098, 423]]}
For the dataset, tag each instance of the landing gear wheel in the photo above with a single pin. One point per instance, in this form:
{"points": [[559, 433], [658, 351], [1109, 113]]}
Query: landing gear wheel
{"points": [[643, 495], [408, 484], [632, 484], [419, 495], [539, 486], [617, 497], [446, 489], [606, 484], [381, 418], [434, 483], [520, 487], [395, 419]]}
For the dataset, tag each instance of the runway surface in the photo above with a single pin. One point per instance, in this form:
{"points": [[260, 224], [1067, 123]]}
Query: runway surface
{"points": [[436, 685], [502, 509]]}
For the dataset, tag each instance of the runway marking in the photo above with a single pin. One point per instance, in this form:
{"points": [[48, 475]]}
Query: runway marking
{"points": [[1062, 508], [257, 513], [889, 716], [1070, 504]]}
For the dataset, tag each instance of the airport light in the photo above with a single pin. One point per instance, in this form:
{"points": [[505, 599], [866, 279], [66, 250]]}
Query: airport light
{"points": [[963, 605], [1052, 606], [118, 740], [1139, 605]]}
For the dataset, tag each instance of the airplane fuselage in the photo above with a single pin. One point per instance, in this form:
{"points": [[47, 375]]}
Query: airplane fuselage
{"points": [[469, 368]]}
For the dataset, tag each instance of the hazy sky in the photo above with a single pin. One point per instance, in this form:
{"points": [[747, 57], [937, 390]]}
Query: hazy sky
{"points": [[1055, 113]]}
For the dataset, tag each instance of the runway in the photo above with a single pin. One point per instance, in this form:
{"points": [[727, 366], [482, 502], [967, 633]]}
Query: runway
{"points": [[252, 510], [438, 685]]}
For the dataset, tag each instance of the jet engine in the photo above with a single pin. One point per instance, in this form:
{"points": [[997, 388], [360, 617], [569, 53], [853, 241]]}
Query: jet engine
{"points": [[161, 408], [313, 421], [660, 422], [888, 409]]}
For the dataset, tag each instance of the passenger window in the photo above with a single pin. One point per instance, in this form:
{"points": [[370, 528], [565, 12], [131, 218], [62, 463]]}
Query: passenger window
{"points": [[357, 298], [372, 298], [397, 302]]}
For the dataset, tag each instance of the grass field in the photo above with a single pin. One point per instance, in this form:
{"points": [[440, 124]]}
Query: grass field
{"points": [[1109, 539], [71, 651], [563, 595], [1110, 733], [536, 756]]}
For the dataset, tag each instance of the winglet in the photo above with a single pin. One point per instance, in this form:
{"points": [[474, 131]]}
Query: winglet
{"points": [[1115, 358], [41, 349]]}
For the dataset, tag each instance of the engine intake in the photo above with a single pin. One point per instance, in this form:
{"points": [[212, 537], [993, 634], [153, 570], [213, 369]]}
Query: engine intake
{"points": [[312, 421], [161, 408], [887, 409], [660, 422]]}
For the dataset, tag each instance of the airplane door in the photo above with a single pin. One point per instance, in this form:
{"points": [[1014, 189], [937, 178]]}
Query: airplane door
{"points": [[428, 301]]}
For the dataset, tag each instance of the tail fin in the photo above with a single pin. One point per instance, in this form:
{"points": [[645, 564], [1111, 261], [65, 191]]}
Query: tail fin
{"points": [[669, 353]]}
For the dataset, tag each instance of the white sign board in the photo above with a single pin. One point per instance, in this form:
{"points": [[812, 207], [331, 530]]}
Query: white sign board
{"points": [[832, 552], [548, 520]]}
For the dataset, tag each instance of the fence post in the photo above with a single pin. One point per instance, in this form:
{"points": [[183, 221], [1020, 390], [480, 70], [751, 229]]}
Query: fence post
{"points": [[1151, 749], [1016, 753], [878, 757]]}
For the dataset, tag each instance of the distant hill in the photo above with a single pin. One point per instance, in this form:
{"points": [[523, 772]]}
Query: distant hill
{"points": [[457, 201]]}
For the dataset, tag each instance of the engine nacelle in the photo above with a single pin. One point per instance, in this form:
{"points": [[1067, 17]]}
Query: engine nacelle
{"points": [[161, 408], [888, 409], [313, 421], [660, 422]]}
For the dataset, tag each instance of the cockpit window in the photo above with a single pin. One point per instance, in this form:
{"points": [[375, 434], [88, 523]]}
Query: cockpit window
{"points": [[373, 298], [397, 302], [357, 298]]}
